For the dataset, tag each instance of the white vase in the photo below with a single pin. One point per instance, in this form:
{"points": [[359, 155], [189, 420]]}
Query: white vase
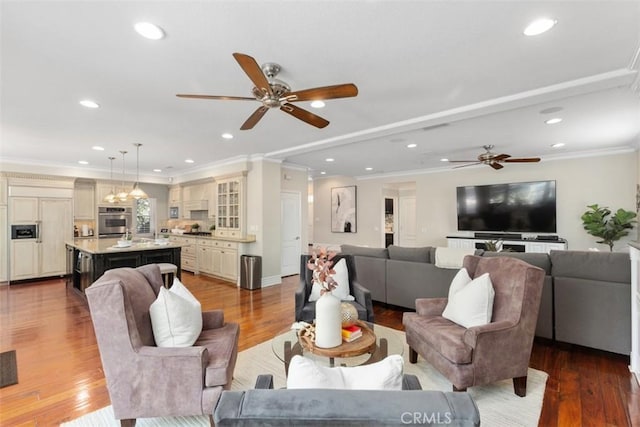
{"points": [[328, 321]]}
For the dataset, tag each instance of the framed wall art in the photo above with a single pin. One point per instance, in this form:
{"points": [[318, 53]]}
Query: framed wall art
{"points": [[343, 210]]}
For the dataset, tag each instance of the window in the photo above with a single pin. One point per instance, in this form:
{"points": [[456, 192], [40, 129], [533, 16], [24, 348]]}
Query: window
{"points": [[145, 216]]}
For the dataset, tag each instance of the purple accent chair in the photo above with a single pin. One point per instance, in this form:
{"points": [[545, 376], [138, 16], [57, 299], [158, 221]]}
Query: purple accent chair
{"points": [[487, 353], [149, 381]]}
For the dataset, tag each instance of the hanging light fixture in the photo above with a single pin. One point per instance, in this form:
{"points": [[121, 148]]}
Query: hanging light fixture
{"points": [[111, 197], [123, 195], [137, 192]]}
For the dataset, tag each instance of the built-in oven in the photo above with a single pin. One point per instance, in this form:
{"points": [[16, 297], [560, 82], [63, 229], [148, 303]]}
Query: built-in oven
{"points": [[114, 220], [24, 231]]}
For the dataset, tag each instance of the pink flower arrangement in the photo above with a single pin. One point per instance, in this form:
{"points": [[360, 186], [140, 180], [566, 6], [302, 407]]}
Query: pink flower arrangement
{"points": [[320, 264]]}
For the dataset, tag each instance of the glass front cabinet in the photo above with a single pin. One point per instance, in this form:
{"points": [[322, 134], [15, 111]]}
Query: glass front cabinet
{"points": [[230, 220]]}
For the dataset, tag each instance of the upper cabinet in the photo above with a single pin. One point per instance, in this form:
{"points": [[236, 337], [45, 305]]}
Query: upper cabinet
{"points": [[84, 205], [3, 191], [230, 221], [175, 195]]}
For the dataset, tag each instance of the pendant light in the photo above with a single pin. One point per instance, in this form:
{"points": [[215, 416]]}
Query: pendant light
{"points": [[111, 197], [122, 196], [137, 192]]}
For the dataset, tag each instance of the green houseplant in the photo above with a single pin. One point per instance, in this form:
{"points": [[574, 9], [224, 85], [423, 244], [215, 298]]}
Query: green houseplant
{"points": [[597, 223]]}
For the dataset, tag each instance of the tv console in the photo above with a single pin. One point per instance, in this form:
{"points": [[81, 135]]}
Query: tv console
{"points": [[540, 244]]}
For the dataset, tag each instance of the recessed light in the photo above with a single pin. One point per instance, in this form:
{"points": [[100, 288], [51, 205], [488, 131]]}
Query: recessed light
{"points": [[368, 169], [323, 173], [189, 161], [557, 145], [97, 148], [539, 26], [149, 30], [412, 145], [89, 103], [157, 170], [329, 160], [444, 159], [83, 162], [227, 135], [317, 104], [553, 121]]}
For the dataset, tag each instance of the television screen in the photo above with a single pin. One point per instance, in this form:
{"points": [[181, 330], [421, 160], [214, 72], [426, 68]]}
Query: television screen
{"points": [[519, 207]]}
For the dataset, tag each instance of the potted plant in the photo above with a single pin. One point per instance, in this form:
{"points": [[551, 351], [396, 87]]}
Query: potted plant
{"points": [[597, 223], [195, 227]]}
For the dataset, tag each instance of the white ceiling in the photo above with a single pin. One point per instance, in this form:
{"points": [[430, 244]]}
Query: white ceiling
{"points": [[416, 64]]}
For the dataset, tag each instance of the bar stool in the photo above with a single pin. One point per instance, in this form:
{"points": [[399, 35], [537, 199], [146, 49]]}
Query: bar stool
{"points": [[168, 271]]}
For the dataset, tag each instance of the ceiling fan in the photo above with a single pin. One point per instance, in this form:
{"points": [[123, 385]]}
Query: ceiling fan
{"points": [[274, 93], [494, 160]]}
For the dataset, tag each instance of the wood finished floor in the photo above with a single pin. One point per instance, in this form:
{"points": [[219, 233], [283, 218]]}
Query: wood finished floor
{"points": [[60, 375]]}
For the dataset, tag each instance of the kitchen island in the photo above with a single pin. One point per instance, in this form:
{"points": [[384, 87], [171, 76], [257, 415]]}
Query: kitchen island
{"points": [[88, 259]]}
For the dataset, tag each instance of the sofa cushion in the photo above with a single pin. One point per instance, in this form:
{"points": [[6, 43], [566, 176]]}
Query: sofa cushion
{"points": [[221, 343], [592, 265], [364, 251], [386, 374], [537, 259], [176, 317], [401, 253], [470, 302], [442, 335]]}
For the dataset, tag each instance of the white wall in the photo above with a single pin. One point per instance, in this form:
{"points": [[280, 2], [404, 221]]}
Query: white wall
{"points": [[606, 180]]}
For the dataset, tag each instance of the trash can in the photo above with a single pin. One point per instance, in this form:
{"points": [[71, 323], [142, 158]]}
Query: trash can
{"points": [[250, 271]]}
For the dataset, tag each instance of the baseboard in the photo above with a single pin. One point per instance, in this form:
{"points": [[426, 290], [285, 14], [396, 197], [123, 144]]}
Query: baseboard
{"points": [[271, 280]]}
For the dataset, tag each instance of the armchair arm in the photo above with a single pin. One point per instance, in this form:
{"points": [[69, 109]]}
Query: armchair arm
{"points": [[411, 382], [300, 299], [430, 306], [264, 381], [212, 319], [473, 335], [363, 296]]}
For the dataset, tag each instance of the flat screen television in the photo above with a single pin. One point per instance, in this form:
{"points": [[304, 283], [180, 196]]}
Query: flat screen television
{"points": [[514, 207]]}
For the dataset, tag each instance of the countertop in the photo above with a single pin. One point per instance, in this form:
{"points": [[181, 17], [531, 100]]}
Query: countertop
{"points": [[106, 245], [250, 238]]}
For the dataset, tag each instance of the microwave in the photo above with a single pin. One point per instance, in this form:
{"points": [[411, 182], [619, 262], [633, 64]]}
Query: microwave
{"points": [[174, 212]]}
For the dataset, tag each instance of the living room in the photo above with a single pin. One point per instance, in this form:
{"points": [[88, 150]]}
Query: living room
{"points": [[422, 81]]}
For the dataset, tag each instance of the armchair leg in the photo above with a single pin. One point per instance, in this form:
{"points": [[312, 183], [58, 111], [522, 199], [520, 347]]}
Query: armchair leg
{"points": [[520, 386], [128, 422], [211, 423], [413, 355], [459, 389]]}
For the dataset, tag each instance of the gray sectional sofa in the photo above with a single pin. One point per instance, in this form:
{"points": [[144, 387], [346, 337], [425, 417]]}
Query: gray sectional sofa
{"points": [[585, 297]]}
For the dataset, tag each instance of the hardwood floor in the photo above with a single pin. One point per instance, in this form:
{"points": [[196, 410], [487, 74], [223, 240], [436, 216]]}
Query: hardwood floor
{"points": [[60, 374]]}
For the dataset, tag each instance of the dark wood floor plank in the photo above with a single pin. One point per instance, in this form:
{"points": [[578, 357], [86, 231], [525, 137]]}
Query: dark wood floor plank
{"points": [[61, 378]]}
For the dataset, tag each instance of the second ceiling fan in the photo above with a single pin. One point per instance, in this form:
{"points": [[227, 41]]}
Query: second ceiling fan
{"points": [[274, 93], [494, 160]]}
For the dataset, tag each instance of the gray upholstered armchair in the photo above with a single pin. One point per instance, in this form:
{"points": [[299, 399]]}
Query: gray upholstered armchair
{"points": [[482, 354], [306, 310], [149, 381]]}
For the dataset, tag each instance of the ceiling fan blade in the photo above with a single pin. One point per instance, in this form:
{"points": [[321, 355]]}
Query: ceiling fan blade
{"points": [[327, 92], [254, 118], [228, 98], [464, 166], [253, 70], [463, 161], [304, 115], [496, 165], [501, 157], [523, 160]]}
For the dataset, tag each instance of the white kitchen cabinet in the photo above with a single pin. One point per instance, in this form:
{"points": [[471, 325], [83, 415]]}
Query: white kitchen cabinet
{"points": [[24, 259], [194, 193], [230, 221], [188, 253], [175, 195], [84, 205], [24, 210], [4, 242], [205, 256], [3, 191], [225, 260], [531, 246]]}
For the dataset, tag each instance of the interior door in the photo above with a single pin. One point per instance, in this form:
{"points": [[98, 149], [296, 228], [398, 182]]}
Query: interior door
{"points": [[290, 226], [407, 222]]}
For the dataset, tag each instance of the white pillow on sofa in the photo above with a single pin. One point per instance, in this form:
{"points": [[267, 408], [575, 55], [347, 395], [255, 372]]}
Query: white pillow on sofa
{"points": [[383, 375], [176, 317], [342, 279], [470, 304]]}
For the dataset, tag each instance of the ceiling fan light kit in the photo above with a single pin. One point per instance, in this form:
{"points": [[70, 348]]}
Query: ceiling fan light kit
{"points": [[275, 93], [494, 160]]}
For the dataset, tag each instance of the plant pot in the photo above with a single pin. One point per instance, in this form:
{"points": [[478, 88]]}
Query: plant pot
{"points": [[328, 321]]}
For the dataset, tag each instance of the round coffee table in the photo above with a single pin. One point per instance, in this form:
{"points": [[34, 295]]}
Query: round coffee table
{"points": [[373, 346]]}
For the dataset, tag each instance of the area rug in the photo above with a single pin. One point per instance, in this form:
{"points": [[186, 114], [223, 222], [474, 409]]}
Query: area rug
{"points": [[497, 403]]}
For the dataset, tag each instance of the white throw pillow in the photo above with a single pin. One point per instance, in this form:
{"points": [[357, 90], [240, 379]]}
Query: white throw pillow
{"points": [[342, 279], [472, 304], [460, 280], [383, 375], [176, 317]]}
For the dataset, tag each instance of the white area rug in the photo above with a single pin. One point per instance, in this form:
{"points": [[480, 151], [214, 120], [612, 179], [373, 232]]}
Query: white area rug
{"points": [[497, 403]]}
